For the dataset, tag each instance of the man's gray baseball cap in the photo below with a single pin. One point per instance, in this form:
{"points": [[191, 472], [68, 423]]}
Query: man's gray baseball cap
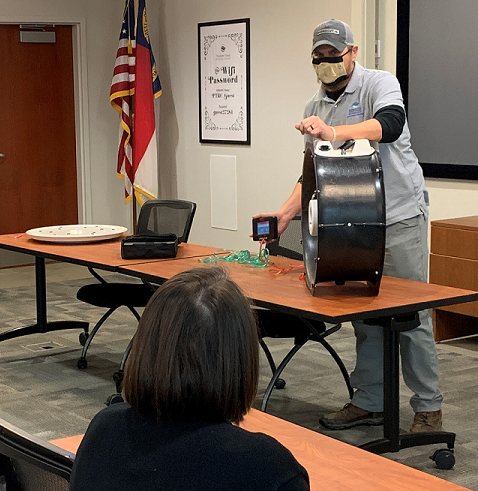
{"points": [[334, 32]]}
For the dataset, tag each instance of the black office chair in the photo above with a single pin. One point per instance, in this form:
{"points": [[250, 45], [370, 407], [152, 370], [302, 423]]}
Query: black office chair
{"points": [[28, 463], [276, 324], [156, 216]]}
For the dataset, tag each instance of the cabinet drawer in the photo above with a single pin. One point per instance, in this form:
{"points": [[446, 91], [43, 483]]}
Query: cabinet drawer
{"points": [[454, 242], [457, 272]]}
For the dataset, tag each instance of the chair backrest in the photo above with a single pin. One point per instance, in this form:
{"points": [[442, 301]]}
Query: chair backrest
{"points": [[28, 463], [166, 216], [289, 244]]}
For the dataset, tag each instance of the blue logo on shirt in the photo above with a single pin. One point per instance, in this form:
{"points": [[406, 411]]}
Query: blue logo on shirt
{"points": [[355, 110]]}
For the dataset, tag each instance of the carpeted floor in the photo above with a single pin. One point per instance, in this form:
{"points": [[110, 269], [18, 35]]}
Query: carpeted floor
{"points": [[43, 392]]}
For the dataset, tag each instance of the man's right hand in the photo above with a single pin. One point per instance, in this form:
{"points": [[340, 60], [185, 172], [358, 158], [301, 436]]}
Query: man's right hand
{"points": [[282, 222], [288, 211]]}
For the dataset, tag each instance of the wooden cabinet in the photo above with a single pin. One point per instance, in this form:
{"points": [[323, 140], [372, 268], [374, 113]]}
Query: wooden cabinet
{"points": [[454, 262]]}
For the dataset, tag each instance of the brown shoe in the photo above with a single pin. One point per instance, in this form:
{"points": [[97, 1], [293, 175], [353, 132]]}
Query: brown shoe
{"points": [[427, 421], [349, 416]]}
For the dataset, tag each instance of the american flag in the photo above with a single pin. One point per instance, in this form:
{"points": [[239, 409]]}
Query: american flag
{"points": [[134, 87]]}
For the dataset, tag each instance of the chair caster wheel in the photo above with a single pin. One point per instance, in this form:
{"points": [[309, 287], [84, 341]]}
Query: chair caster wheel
{"points": [[82, 363], [444, 458], [83, 337], [113, 399], [280, 383]]}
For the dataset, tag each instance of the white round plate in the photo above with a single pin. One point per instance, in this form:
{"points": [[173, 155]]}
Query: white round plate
{"points": [[76, 233]]}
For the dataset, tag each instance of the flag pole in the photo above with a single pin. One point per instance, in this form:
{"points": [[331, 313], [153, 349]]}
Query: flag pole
{"points": [[133, 98], [134, 214]]}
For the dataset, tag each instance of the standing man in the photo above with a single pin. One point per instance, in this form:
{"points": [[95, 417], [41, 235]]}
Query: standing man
{"points": [[354, 102]]}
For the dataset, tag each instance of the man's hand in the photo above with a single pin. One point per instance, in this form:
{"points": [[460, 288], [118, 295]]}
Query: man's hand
{"points": [[316, 128], [282, 222], [288, 210]]}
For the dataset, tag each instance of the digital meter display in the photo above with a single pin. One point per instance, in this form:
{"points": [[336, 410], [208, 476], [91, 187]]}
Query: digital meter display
{"points": [[262, 228]]}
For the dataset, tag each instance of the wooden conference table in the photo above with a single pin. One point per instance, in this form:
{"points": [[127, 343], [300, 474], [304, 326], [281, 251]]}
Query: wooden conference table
{"points": [[395, 307], [331, 464]]}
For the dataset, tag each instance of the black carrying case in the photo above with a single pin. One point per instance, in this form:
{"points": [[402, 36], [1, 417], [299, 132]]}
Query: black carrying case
{"points": [[151, 246]]}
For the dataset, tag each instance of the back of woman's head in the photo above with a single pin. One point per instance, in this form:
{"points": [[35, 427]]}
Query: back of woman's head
{"points": [[195, 354]]}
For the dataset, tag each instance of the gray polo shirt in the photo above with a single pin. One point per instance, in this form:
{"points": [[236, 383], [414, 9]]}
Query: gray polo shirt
{"points": [[366, 93]]}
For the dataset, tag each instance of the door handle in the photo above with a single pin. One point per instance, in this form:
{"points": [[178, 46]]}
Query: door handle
{"points": [[2, 157]]}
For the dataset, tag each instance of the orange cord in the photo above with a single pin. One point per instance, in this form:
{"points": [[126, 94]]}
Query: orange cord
{"points": [[275, 270]]}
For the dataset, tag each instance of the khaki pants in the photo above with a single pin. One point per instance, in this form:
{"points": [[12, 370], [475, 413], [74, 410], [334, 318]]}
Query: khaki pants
{"points": [[406, 256]]}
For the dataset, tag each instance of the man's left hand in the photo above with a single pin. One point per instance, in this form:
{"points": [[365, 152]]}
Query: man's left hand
{"points": [[316, 128]]}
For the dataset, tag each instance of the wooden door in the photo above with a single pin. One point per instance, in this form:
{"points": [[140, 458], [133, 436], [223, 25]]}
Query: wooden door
{"points": [[38, 185]]}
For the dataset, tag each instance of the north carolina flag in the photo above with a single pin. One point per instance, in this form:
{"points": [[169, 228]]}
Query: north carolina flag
{"points": [[134, 87]]}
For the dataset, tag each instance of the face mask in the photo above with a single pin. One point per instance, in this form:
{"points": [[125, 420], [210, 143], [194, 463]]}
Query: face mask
{"points": [[330, 70]]}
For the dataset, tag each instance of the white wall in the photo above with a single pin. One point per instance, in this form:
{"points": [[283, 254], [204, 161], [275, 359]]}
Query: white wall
{"points": [[451, 198], [387, 34]]}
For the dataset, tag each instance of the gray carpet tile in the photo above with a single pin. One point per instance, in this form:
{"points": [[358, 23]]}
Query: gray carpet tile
{"points": [[43, 391]]}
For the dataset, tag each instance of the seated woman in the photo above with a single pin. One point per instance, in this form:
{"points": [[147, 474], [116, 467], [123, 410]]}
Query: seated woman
{"points": [[192, 372]]}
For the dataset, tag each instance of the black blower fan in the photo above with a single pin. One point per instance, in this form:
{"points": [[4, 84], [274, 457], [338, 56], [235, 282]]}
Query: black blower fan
{"points": [[343, 214]]}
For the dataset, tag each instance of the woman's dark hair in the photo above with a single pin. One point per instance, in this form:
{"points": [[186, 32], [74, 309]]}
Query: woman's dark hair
{"points": [[195, 353]]}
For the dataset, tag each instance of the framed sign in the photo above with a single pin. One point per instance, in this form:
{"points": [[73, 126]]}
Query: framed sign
{"points": [[224, 82]]}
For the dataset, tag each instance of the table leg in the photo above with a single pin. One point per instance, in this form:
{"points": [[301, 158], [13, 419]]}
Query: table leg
{"points": [[40, 287], [393, 441], [42, 325], [391, 381]]}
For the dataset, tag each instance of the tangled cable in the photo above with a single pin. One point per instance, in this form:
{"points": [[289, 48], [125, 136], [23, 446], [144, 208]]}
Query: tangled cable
{"points": [[259, 260]]}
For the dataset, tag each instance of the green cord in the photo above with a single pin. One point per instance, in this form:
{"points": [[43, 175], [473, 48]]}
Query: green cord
{"points": [[242, 257]]}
